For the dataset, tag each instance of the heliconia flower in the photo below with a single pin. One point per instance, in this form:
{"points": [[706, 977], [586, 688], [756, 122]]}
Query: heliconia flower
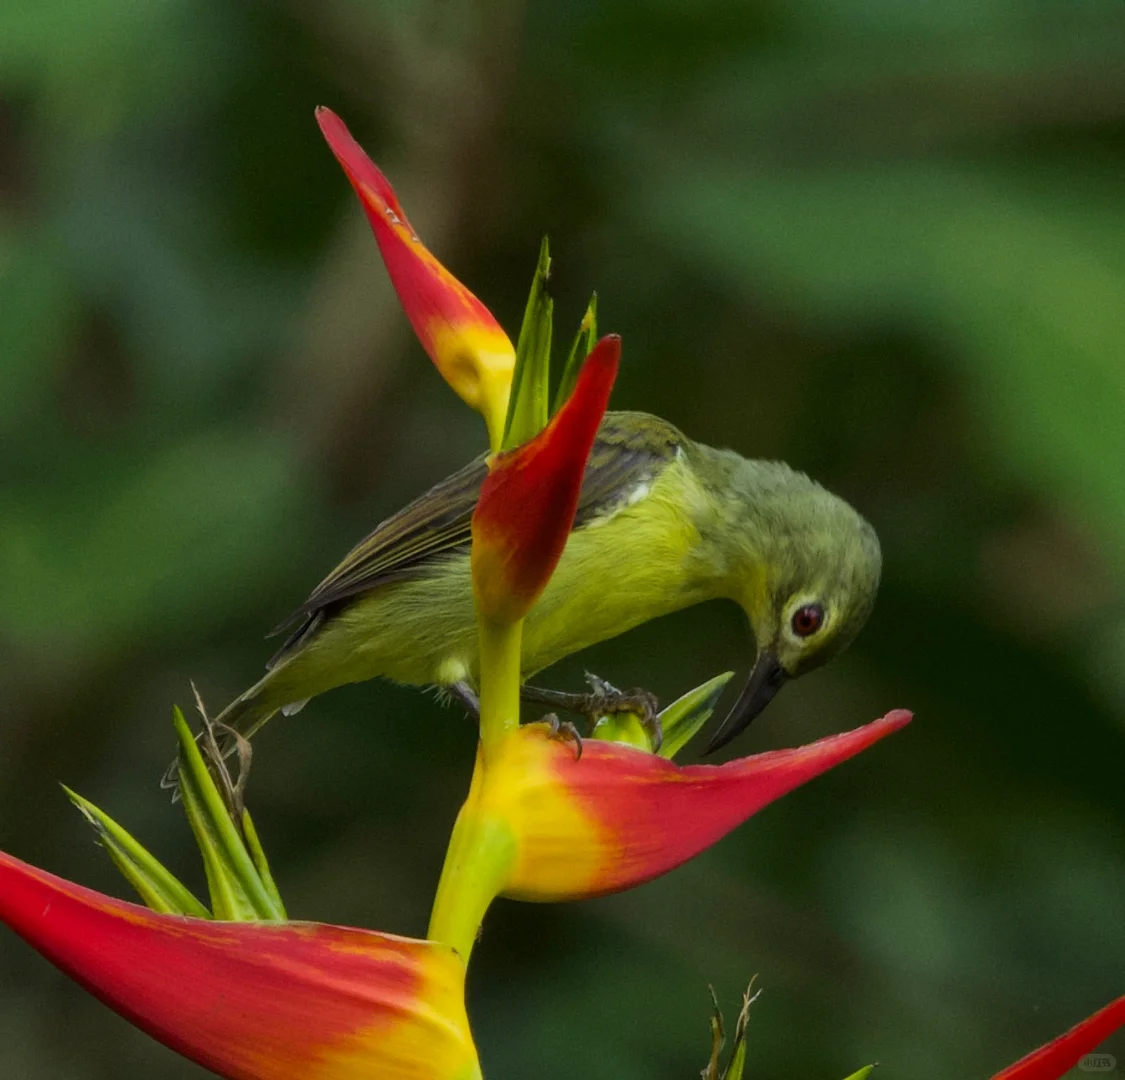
{"points": [[530, 495], [544, 823], [255, 1001], [467, 344], [1054, 1060], [617, 817]]}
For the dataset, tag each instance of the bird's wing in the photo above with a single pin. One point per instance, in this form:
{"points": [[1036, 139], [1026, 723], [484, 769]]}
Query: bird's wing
{"points": [[628, 453]]}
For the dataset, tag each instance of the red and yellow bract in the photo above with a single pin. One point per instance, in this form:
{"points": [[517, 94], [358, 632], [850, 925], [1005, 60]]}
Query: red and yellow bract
{"points": [[541, 823], [1059, 1056], [530, 495], [255, 1001], [618, 817], [467, 344]]}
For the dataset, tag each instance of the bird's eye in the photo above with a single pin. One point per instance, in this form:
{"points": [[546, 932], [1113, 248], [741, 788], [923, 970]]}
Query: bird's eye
{"points": [[807, 620]]}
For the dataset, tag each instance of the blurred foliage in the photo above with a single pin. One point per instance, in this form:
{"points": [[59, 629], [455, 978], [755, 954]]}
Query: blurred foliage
{"points": [[882, 241]]}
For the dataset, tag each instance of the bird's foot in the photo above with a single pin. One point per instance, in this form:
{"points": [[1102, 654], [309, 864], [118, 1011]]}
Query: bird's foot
{"points": [[565, 731], [464, 693], [604, 699], [643, 704]]}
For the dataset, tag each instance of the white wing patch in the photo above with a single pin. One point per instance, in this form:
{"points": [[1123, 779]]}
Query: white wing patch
{"points": [[631, 498]]}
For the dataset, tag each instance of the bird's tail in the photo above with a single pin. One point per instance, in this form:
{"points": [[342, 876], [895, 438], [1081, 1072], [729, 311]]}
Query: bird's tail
{"points": [[242, 718]]}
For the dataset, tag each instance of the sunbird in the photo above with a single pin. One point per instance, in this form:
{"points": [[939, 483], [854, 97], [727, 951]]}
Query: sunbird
{"points": [[663, 523]]}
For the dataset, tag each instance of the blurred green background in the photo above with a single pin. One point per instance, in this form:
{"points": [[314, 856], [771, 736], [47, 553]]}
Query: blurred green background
{"points": [[882, 241]]}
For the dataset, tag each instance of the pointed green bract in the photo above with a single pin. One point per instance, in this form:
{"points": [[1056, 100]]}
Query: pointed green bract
{"points": [[686, 715], [155, 884], [527, 407], [679, 721], [229, 901], [237, 889], [261, 864], [580, 347], [863, 1073], [239, 881], [737, 1062]]}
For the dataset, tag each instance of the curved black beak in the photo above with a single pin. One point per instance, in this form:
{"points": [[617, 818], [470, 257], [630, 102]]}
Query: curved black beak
{"points": [[765, 680]]}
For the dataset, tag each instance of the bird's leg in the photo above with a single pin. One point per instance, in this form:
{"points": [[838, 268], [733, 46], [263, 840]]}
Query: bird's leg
{"points": [[566, 731], [560, 729], [601, 699], [464, 693]]}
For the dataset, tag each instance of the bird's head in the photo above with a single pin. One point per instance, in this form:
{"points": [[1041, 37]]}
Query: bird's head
{"points": [[811, 568]]}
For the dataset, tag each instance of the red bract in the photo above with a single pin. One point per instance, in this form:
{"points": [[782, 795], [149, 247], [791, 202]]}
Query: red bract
{"points": [[529, 498], [466, 343], [1054, 1060], [255, 1001], [617, 817]]}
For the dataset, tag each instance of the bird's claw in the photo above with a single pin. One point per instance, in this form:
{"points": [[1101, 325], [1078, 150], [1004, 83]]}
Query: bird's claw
{"points": [[463, 692], [565, 731], [604, 698]]}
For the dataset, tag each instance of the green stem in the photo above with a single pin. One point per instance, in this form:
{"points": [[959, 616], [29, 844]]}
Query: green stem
{"points": [[499, 681], [482, 848], [477, 865]]}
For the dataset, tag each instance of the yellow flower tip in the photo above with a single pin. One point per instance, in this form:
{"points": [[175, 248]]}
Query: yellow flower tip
{"points": [[478, 365], [464, 340]]}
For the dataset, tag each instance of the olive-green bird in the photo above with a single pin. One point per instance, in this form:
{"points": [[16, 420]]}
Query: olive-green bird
{"points": [[662, 523]]}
